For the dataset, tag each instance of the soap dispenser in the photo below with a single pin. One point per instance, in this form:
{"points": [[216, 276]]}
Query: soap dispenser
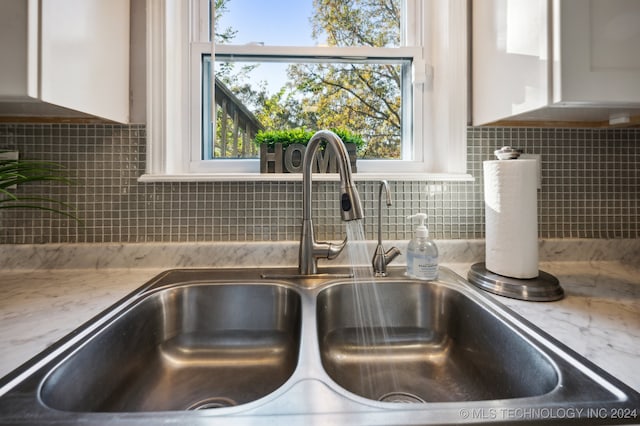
{"points": [[422, 253]]}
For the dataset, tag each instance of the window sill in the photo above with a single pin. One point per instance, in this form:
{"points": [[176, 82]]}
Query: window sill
{"points": [[295, 177]]}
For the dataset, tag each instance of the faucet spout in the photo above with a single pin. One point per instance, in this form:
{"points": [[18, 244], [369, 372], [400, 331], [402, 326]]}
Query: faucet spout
{"points": [[350, 205], [382, 258]]}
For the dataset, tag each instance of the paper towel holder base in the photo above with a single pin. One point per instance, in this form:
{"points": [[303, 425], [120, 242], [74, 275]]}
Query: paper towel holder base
{"points": [[544, 288]]}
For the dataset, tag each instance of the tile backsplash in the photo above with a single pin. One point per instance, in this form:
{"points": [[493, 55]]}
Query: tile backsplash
{"points": [[590, 189]]}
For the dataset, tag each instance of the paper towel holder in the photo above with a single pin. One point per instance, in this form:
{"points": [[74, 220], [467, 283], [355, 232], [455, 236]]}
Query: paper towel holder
{"points": [[544, 288]]}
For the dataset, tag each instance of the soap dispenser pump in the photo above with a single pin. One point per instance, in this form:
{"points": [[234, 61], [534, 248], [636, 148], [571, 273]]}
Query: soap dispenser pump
{"points": [[422, 253]]}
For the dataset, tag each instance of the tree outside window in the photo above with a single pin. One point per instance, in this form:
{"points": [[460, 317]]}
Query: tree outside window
{"points": [[363, 95]]}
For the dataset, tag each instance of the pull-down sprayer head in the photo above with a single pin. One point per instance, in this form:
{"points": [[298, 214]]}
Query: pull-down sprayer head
{"points": [[350, 205]]}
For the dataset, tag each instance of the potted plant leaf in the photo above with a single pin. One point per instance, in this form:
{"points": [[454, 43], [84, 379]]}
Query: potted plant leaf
{"points": [[14, 172], [282, 151]]}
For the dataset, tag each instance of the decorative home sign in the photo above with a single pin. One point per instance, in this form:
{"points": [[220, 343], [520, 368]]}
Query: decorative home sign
{"points": [[275, 159]]}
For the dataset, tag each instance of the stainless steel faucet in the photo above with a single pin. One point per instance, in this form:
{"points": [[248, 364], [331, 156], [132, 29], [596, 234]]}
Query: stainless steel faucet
{"points": [[381, 258], [350, 206]]}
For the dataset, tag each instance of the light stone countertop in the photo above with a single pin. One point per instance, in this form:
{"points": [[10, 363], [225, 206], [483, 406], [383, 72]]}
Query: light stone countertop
{"points": [[48, 291], [599, 317], [37, 308]]}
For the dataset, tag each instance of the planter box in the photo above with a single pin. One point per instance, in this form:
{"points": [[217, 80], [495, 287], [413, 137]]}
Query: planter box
{"points": [[276, 159]]}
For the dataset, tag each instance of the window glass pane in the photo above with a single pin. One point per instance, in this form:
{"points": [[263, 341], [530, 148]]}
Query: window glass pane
{"points": [[374, 23], [364, 98]]}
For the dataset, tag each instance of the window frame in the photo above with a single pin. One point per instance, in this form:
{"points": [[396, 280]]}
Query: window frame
{"points": [[175, 30]]}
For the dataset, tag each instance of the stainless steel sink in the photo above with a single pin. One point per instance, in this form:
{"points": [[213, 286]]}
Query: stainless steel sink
{"points": [[263, 347], [189, 347], [425, 342]]}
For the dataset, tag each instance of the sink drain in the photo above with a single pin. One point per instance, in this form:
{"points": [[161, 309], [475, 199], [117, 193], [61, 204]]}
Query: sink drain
{"points": [[211, 403], [401, 398]]}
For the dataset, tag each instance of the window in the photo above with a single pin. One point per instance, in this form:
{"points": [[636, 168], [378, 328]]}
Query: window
{"points": [[364, 96], [316, 86], [402, 88]]}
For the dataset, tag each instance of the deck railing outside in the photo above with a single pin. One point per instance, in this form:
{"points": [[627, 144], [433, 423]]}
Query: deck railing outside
{"points": [[235, 127]]}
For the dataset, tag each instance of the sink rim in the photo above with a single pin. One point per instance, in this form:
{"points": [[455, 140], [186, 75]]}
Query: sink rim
{"points": [[346, 405]]}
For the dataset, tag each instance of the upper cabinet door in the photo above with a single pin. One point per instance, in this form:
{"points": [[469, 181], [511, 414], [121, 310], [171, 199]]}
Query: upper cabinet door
{"points": [[85, 56], [599, 51], [557, 61], [18, 49], [70, 58]]}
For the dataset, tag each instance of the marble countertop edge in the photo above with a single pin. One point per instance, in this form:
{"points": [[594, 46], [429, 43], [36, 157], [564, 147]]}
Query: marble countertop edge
{"points": [[273, 253]]}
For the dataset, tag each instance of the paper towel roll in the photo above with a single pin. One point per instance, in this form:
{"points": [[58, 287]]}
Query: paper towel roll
{"points": [[511, 212]]}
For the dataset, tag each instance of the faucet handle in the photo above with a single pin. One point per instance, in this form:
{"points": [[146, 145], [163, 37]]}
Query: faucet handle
{"points": [[333, 249], [382, 258], [327, 250]]}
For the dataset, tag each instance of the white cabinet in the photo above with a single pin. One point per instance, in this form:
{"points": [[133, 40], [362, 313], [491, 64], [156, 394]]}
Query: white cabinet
{"points": [[64, 58], [556, 60]]}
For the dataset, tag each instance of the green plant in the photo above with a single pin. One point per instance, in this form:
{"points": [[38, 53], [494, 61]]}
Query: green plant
{"points": [[285, 137], [19, 172], [302, 136]]}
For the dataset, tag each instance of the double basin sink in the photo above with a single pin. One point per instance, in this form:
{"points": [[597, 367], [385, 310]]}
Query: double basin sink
{"points": [[256, 346]]}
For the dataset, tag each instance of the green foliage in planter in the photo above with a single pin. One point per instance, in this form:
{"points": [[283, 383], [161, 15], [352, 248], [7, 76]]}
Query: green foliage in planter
{"points": [[285, 137], [19, 172], [302, 136]]}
